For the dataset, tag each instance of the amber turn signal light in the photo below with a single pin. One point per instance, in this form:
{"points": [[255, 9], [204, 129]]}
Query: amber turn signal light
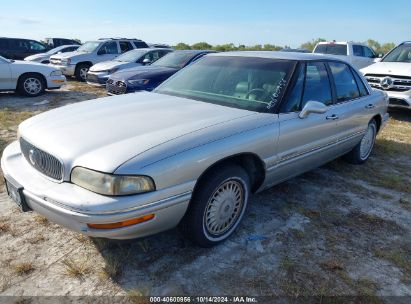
{"points": [[122, 224]]}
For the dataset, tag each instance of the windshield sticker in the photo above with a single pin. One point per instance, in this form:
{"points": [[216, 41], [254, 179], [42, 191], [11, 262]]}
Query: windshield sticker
{"points": [[275, 96]]}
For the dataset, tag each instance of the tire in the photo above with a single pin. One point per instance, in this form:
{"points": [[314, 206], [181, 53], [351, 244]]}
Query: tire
{"points": [[363, 149], [31, 85], [198, 224], [81, 71]]}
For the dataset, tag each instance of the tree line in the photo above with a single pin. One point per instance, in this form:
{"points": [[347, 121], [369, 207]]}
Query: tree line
{"points": [[379, 48]]}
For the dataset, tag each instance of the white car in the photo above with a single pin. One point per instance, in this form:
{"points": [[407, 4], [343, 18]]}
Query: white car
{"points": [[28, 78], [45, 57], [357, 54], [393, 75], [79, 62]]}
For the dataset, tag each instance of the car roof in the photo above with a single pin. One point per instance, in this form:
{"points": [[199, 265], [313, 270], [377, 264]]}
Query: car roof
{"points": [[277, 55]]}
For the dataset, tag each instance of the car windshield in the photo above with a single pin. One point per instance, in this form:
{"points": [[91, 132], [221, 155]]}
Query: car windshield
{"points": [[176, 60], [89, 46], [331, 49], [401, 53], [131, 56], [55, 50], [249, 83]]}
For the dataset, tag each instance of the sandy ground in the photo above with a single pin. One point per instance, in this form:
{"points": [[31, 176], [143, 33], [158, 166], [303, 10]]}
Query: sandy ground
{"points": [[336, 231]]}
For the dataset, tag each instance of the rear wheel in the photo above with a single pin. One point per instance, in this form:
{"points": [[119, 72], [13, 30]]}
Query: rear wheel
{"points": [[81, 71], [31, 85], [363, 149], [217, 206]]}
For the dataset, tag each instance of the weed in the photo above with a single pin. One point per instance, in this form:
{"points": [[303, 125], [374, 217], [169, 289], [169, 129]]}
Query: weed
{"points": [[24, 268]]}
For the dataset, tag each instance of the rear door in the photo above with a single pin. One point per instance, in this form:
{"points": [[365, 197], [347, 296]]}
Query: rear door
{"points": [[362, 56], [352, 106], [309, 142], [108, 51], [5, 75]]}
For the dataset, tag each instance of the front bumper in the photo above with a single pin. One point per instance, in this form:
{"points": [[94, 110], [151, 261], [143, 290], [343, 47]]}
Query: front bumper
{"points": [[399, 99], [68, 70], [56, 202], [55, 82], [97, 78]]}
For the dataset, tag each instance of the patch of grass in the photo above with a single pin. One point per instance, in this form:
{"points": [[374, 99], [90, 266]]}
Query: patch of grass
{"points": [[75, 269], [37, 239], [113, 268], [298, 234], [287, 263], [366, 289], [398, 256], [23, 268], [4, 227], [41, 220], [332, 265], [138, 296], [9, 119]]}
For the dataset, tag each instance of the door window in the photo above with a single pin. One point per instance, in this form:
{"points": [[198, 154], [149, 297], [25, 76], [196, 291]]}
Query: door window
{"points": [[293, 101], [108, 48], [360, 83], [358, 50], [368, 52], [140, 44], [35, 46], [125, 46], [317, 85], [345, 84]]}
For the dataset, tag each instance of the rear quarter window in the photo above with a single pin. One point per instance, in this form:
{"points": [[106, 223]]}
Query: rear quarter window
{"points": [[331, 49]]}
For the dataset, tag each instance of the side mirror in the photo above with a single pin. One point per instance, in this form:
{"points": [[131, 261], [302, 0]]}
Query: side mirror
{"points": [[146, 61], [313, 107]]}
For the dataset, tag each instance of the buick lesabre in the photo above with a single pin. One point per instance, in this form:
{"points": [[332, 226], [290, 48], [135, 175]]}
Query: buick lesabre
{"points": [[193, 151]]}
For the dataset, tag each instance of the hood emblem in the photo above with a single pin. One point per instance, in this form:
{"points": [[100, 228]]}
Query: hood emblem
{"points": [[32, 157], [387, 83]]}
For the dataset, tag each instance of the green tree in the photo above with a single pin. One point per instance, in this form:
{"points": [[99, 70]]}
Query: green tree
{"points": [[201, 46], [182, 46], [386, 47], [310, 45]]}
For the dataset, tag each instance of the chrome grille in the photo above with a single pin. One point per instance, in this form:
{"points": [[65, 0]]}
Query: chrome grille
{"points": [[42, 161], [389, 82], [116, 87]]}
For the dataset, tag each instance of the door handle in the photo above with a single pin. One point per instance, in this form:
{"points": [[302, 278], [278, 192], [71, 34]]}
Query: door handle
{"points": [[332, 117], [370, 106]]}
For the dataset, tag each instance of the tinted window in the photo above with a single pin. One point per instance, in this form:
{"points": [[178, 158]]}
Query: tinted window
{"points": [[109, 48], [176, 60], [332, 49], [35, 46], [368, 52], [3, 44], [345, 83], [140, 44], [293, 101], [358, 50], [317, 84], [255, 84], [125, 46], [360, 84]]}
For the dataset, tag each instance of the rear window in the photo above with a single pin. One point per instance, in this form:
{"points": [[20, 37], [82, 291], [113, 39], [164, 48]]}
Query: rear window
{"points": [[331, 49]]}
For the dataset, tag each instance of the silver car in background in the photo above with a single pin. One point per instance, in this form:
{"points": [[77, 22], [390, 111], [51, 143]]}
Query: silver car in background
{"points": [[100, 72], [192, 152], [45, 57]]}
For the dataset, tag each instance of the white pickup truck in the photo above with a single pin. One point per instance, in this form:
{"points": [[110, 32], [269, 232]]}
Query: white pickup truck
{"points": [[357, 54]]}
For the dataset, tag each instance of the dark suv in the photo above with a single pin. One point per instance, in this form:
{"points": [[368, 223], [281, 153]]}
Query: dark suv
{"points": [[17, 48]]}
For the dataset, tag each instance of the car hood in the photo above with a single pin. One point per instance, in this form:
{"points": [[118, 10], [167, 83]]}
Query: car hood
{"points": [[69, 55], [36, 57], [102, 134], [142, 72], [389, 68], [108, 65]]}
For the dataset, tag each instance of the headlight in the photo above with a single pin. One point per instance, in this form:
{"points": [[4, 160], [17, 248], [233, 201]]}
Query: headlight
{"points": [[56, 73], [138, 81], [65, 61], [109, 184]]}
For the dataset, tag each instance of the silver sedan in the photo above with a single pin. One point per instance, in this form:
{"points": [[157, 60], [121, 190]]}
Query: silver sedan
{"points": [[193, 151]]}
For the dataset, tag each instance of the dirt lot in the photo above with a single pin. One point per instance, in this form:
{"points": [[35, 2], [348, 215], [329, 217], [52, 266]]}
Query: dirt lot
{"points": [[338, 230]]}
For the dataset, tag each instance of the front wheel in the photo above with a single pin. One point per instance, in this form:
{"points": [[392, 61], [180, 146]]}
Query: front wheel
{"points": [[217, 206], [31, 85], [81, 71], [363, 149]]}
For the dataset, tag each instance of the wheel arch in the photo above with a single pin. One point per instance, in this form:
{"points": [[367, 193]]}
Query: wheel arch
{"points": [[378, 120], [32, 73], [250, 162]]}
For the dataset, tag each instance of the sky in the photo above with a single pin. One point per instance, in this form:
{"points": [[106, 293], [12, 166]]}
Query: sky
{"points": [[247, 22]]}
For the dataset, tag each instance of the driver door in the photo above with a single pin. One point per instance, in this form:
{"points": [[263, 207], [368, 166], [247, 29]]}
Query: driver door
{"points": [[5, 76], [305, 143]]}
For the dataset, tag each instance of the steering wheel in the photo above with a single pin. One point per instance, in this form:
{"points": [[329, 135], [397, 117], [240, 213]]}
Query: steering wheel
{"points": [[262, 93]]}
